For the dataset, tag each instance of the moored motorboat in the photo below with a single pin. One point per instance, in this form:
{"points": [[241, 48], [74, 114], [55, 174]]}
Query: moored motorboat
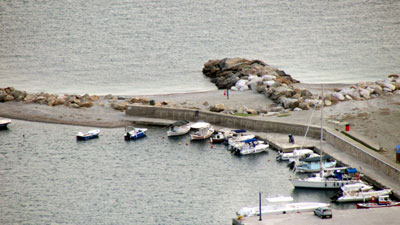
{"points": [[357, 193], [333, 178], [180, 127], [88, 135], [280, 205], [219, 137], [133, 133], [295, 155], [379, 202], [313, 164], [202, 133], [250, 146], [4, 124]]}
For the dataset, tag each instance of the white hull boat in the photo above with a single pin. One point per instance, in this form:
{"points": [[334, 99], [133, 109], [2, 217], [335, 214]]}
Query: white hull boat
{"points": [[279, 206], [202, 133], [326, 179], [4, 124], [88, 135], [358, 193], [295, 155], [178, 128], [251, 146]]}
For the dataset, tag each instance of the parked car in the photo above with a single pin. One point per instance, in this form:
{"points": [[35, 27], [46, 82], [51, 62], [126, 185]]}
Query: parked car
{"points": [[323, 212]]}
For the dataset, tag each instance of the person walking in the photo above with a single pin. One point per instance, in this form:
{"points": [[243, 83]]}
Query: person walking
{"points": [[227, 93]]}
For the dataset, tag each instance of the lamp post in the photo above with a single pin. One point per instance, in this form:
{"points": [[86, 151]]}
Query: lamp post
{"points": [[260, 206]]}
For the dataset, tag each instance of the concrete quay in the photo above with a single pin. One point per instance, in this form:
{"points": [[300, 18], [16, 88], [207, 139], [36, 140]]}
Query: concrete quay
{"points": [[387, 216]]}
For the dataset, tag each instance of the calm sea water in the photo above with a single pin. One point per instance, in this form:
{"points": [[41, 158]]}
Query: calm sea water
{"points": [[47, 177], [153, 47]]}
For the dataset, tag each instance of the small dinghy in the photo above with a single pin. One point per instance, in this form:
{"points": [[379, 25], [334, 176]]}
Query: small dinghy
{"points": [[180, 127], [380, 202], [4, 124], [88, 135], [132, 133]]}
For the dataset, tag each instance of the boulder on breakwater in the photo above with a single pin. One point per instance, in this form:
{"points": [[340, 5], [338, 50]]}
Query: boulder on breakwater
{"points": [[240, 74]]}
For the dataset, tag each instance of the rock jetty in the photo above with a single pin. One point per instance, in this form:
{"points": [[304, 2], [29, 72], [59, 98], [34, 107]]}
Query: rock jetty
{"points": [[238, 74]]}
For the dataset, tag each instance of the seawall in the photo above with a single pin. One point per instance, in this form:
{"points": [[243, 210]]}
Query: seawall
{"points": [[332, 137]]}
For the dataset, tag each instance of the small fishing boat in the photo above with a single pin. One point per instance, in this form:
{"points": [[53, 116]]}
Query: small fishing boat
{"points": [[313, 164], [378, 202], [4, 123], [333, 178], [250, 146], [202, 133], [218, 137], [280, 205], [88, 135], [295, 155], [180, 127], [358, 193], [199, 125], [133, 133]]}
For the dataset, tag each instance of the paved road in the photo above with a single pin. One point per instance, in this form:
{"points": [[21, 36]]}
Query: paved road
{"points": [[386, 216]]}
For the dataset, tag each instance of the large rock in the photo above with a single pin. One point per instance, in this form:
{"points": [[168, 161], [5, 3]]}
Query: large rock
{"points": [[119, 105], [9, 98], [217, 108], [60, 100]]}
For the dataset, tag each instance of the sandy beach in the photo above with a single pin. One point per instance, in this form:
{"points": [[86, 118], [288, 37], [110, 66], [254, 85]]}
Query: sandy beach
{"points": [[376, 119]]}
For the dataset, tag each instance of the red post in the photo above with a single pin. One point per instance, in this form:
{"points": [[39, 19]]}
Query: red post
{"points": [[347, 127]]}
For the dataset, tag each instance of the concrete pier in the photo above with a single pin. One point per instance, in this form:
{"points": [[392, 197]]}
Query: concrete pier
{"points": [[387, 216]]}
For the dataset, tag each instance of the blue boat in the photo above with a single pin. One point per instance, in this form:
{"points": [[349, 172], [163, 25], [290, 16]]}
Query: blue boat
{"points": [[132, 133], [88, 135], [4, 124]]}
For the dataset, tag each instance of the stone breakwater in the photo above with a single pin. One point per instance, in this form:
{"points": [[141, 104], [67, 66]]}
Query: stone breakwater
{"points": [[238, 74], [9, 94]]}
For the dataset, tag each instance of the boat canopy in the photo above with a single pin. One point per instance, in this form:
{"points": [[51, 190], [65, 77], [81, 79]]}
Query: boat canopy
{"points": [[315, 159], [239, 131], [179, 123], [351, 170], [280, 199], [250, 140]]}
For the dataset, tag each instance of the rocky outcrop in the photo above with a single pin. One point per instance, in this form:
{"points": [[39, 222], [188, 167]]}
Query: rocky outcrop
{"points": [[240, 74], [227, 72]]}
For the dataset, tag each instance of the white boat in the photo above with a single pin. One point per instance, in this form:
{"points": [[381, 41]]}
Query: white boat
{"points": [[378, 202], [133, 133], [88, 135], [309, 166], [4, 123], [202, 133], [199, 125], [280, 205], [251, 146], [332, 178], [358, 193], [239, 137], [219, 137], [178, 128], [328, 179], [296, 154]]}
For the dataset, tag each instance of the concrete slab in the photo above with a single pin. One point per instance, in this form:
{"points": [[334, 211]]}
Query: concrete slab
{"points": [[387, 216]]}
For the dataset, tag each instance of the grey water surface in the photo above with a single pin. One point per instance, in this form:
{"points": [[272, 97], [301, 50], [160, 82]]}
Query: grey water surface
{"points": [[155, 47], [47, 177]]}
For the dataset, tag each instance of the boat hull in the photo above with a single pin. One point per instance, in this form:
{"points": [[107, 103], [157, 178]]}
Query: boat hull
{"points": [[135, 134], [284, 209], [4, 124], [375, 205], [89, 135], [328, 184], [82, 138]]}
